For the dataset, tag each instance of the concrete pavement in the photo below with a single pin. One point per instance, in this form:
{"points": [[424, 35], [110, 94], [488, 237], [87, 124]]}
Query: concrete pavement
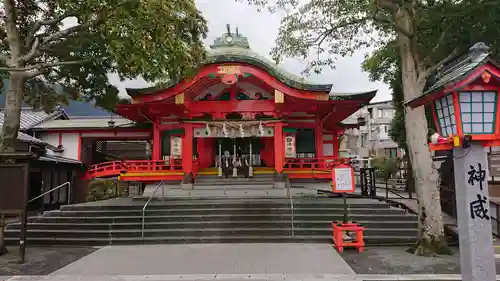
{"points": [[237, 262], [243, 277], [210, 259]]}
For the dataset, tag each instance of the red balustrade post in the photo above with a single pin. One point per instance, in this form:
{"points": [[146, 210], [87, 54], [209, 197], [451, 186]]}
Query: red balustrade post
{"points": [[279, 152], [318, 131], [156, 153], [336, 145], [187, 149]]}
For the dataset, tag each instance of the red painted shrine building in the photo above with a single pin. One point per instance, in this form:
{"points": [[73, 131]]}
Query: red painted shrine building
{"points": [[240, 115]]}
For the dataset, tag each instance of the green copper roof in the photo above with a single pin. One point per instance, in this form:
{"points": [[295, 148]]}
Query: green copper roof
{"points": [[229, 39], [234, 48], [241, 55]]}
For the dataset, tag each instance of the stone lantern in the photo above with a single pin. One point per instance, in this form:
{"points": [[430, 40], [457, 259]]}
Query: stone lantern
{"points": [[463, 98]]}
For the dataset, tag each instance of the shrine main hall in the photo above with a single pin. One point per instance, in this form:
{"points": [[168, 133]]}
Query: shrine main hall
{"points": [[239, 116]]}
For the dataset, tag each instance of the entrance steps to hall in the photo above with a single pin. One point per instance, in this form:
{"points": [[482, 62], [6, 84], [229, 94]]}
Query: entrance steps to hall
{"points": [[229, 191], [187, 220], [213, 186], [214, 182]]}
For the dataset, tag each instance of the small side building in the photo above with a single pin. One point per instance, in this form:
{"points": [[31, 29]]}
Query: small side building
{"points": [[48, 170]]}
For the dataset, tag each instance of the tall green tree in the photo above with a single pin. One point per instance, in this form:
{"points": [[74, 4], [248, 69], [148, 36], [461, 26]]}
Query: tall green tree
{"points": [[427, 34], [77, 43]]}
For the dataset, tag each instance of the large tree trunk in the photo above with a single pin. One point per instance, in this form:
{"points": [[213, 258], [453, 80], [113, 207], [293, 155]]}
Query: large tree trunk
{"points": [[12, 116], [3, 249], [12, 113], [432, 239]]}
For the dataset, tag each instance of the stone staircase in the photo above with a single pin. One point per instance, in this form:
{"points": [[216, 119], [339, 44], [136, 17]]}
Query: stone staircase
{"points": [[188, 220], [212, 186], [215, 182]]}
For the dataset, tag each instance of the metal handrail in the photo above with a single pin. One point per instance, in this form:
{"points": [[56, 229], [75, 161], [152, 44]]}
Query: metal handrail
{"points": [[54, 189], [291, 208], [147, 203]]}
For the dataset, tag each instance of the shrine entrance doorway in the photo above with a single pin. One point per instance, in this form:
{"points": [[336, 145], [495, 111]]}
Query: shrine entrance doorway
{"points": [[235, 157], [247, 149]]}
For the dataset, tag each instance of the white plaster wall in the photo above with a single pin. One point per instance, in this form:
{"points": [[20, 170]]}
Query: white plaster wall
{"points": [[69, 143], [50, 138]]}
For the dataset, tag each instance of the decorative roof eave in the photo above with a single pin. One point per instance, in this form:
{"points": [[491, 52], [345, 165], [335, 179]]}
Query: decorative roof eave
{"points": [[458, 73], [286, 78], [458, 82], [360, 96], [58, 160], [232, 55]]}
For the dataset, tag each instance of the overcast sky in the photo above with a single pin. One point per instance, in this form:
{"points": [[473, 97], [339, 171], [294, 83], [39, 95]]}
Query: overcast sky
{"points": [[261, 28]]}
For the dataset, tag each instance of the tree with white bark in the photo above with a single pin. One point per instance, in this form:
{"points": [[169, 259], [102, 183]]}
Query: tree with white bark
{"points": [[75, 44], [424, 32]]}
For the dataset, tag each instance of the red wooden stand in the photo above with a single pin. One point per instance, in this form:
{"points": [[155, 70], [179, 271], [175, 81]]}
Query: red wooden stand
{"points": [[338, 239]]}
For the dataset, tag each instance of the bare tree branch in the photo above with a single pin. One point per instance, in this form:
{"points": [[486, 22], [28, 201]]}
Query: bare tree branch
{"points": [[322, 37], [425, 74], [41, 66], [66, 32], [38, 24], [438, 45], [396, 26], [100, 17], [388, 5], [32, 53], [13, 37]]}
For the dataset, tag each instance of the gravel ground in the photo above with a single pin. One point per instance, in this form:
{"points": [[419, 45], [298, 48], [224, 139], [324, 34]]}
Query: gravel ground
{"points": [[395, 260], [41, 260]]}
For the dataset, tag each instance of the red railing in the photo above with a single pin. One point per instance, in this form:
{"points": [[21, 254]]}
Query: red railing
{"points": [[325, 163], [196, 167], [115, 168]]}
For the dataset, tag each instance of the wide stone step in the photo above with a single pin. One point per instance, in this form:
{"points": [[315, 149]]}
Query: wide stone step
{"points": [[369, 240], [198, 232], [232, 186], [215, 220], [138, 204], [76, 225], [231, 180], [225, 217], [221, 211], [230, 192]]}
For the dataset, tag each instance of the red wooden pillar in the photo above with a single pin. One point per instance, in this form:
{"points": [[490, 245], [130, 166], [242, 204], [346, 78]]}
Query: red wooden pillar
{"points": [[336, 144], [279, 152], [156, 153], [187, 149], [319, 139]]}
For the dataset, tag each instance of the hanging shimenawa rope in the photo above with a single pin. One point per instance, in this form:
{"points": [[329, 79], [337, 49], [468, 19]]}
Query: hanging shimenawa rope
{"points": [[207, 130], [224, 130], [261, 129]]}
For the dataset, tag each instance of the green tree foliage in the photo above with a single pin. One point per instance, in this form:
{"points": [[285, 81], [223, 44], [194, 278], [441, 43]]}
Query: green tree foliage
{"points": [[322, 30], [385, 168], [104, 189], [426, 33], [75, 44]]}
